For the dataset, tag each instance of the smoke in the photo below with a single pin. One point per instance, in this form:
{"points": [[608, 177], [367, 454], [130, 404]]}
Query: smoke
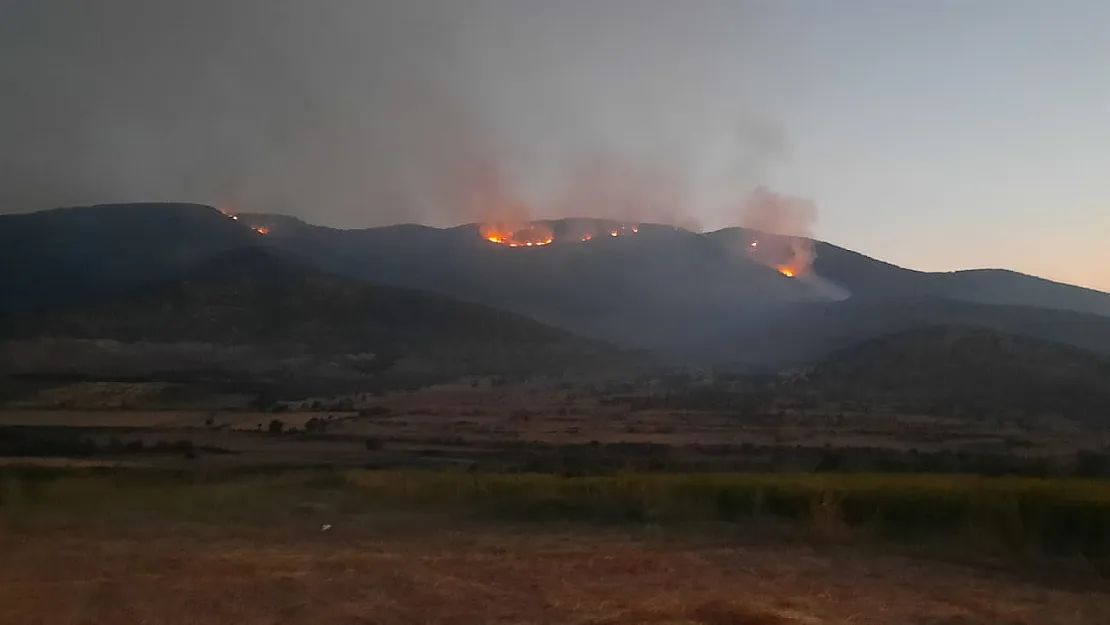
{"points": [[790, 221], [363, 112]]}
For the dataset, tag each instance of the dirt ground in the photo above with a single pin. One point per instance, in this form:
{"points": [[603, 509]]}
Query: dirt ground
{"points": [[429, 571]]}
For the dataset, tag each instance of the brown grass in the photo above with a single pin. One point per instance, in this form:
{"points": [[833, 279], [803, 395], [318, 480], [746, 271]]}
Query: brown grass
{"points": [[417, 570]]}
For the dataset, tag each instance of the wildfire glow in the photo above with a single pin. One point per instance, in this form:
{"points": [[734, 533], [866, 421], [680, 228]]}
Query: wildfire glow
{"points": [[788, 272], [261, 229], [531, 235]]}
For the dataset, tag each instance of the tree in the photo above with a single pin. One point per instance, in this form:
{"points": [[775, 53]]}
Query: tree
{"points": [[277, 426]]}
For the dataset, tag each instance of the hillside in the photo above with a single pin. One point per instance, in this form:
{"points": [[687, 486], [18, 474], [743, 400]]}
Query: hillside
{"points": [[67, 254], [1009, 288], [658, 288], [872, 279], [806, 334], [693, 296], [969, 372], [253, 309]]}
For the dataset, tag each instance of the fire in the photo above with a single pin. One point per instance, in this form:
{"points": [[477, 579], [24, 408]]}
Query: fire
{"points": [[532, 235], [786, 255], [613, 232], [261, 229]]}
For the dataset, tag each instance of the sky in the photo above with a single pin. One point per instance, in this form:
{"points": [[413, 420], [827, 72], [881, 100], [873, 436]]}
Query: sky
{"points": [[938, 135]]}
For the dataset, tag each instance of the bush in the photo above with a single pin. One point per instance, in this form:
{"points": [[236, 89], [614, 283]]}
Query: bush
{"points": [[315, 424]]}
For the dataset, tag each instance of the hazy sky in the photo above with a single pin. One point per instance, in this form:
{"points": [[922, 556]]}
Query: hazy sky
{"points": [[936, 134]]}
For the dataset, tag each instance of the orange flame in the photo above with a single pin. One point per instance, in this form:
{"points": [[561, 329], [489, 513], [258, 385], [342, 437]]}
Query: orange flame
{"points": [[261, 229], [784, 255], [532, 235]]}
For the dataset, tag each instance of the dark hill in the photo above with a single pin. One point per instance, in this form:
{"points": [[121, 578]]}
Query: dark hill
{"points": [[806, 334], [1009, 288], [255, 297], [67, 254], [659, 288], [697, 295], [969, 372]]}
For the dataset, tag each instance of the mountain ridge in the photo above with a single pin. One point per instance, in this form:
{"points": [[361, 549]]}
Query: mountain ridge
{"points": [[651, 287]]}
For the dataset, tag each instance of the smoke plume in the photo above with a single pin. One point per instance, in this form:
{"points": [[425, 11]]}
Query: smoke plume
{"points": [[356, 113], [790, 221]]}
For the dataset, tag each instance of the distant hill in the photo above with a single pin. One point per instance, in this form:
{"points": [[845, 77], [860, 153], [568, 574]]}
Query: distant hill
{"points": [[805, 334], [693, 296], [658, 288], [1009, 288], [67, 254], [969, 372], [871, 279], [256, 298]]}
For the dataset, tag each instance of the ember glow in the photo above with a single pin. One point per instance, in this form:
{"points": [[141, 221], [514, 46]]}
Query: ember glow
{"points": [[624, 229], [613, 230], [789, 272], [261, 229], [531, 235]]}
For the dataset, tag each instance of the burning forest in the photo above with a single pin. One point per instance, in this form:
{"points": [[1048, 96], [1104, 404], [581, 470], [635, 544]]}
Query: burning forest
{"points": [[534, 234], [541, 233]]}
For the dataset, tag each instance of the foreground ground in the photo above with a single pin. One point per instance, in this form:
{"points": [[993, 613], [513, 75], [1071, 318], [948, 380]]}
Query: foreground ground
{"points": [[108, 546], [423, 571]]}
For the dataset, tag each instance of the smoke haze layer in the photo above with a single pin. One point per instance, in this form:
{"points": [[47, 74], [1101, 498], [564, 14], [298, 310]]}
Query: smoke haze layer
{"points": [[361, 113]]}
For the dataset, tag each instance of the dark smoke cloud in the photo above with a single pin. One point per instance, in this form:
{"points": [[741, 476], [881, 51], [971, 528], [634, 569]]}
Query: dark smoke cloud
{"points": [[364, 112]]}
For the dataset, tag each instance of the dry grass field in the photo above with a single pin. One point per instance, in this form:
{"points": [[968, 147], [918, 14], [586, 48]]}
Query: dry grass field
{"points": [[175, 515], [424, 570]]}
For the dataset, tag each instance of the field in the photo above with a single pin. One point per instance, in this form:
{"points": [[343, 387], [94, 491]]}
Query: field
{"points": [[487, 503], [550, 428], [130, 546]]}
